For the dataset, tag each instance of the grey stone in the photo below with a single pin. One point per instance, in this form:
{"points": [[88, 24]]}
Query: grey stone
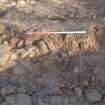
{"points": [[4, 103], [26, 64], [38, 100], [60, 100], [0, 99], [20, 44], [84, 83], [99, 103], [19, 99], [3, 91], [92, 95], [6, 90], [22, 90], [78, 92]]}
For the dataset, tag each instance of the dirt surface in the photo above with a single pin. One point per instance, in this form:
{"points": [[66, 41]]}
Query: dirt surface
{"points": [[53, 15], [52, 70]]}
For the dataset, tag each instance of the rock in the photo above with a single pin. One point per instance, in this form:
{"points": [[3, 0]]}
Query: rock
{"points": [[20, 44], [22, 90], [13, 79], [50, 44], [11, 100], [92, 95], [36, 100], [34, 51], [4, 103], [21, 3], [78, 92], [26, 64], [84, 83], [56, 1], [19, 99], [19, 70], [53, 60], [76, 69], [6, 43], [13, 3], [103, 100], [10, 64], [3, 91], [100, 73], [42, 47], [14, 56], [7, 90], [86, 104], [99, 103], [60, 100], [4, 58], [20, 53], [0, 99], [2, 29]]}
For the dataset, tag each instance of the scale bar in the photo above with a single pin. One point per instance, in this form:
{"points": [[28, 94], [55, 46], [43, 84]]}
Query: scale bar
{"points": [[65, 32]]}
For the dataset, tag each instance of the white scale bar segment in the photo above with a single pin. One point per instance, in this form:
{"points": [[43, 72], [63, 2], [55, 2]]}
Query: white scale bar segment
{"points": [[69, 32], [65, 32]]}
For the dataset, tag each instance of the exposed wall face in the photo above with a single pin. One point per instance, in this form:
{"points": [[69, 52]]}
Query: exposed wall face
{"points": [[20, 16], [17, 48]]}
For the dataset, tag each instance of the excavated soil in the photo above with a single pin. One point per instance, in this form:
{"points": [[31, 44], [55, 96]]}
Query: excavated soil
{"points": [[52, 70]]}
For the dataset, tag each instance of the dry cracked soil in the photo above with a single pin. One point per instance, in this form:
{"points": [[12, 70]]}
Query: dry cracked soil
{"points": [[52, 70]]}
